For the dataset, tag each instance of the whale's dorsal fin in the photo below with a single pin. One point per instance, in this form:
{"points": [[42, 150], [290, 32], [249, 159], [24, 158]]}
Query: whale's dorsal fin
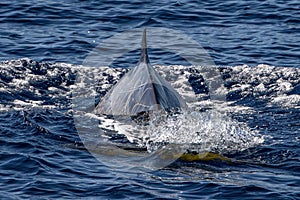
{"points": [[140, 90], [144, 54]]}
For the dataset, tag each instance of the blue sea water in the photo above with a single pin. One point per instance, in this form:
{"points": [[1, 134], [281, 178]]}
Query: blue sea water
{"points": [[39, 156]]}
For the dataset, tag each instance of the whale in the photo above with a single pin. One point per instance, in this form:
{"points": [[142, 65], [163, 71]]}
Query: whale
{"points": [[141, 90]]}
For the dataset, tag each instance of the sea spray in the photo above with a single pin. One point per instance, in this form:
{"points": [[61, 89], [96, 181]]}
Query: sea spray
{"points": [[209, 131]]}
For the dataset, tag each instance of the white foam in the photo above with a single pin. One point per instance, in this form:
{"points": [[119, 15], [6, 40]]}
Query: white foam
{"points": [[201, 131], [287, 100]]}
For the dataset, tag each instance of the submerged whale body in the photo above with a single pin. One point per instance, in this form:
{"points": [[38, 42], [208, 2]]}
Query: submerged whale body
{"points": [[140, 90]]}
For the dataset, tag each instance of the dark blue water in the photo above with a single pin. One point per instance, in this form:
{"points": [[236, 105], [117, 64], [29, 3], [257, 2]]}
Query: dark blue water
{"points": [[233, 32], [42, 155]]}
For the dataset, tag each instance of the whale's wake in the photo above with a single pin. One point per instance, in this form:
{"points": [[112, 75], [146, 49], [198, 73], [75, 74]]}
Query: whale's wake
{"points": [[192, 131]]}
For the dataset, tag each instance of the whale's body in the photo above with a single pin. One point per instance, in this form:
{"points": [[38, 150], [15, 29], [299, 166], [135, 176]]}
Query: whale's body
{"points": [[140, 90]]}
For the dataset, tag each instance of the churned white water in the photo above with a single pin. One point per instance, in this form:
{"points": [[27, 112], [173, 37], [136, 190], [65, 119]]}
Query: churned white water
{"points": [[200, 131]]}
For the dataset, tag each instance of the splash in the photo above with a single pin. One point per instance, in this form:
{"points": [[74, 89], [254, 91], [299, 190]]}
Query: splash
{"points": [[209, 131]]}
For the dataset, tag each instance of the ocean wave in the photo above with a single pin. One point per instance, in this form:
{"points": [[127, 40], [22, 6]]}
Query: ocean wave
{"points": [[26, 82]]}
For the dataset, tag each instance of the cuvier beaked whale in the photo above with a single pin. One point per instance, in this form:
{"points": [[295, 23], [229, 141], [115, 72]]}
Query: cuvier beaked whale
{"points": [[140, 90]]}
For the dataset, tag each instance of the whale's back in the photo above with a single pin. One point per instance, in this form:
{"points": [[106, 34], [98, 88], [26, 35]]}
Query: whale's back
{"points": [[142, 89]]}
